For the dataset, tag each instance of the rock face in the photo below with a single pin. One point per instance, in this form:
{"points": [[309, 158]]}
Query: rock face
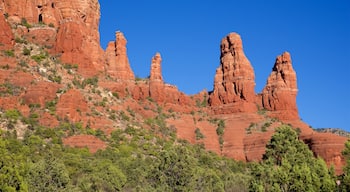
{"points": [[72, 105], [329, 147], [156, 84], [279, 94], [118, 65], [6, 36], [234, 79], [76, 37]]}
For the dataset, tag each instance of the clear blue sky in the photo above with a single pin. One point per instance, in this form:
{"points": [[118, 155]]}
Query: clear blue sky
{"points": [[187, 33]]}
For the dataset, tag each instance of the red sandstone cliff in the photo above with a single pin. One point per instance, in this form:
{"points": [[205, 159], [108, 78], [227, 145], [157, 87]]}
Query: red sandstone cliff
{"points": [[234, 79], [118, 65], [279, 94], [69, 28]]}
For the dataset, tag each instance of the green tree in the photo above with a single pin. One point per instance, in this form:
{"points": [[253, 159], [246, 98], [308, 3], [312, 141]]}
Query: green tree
{"points": [[48, 174], [289, 165], [12, 169], [345, 183]]}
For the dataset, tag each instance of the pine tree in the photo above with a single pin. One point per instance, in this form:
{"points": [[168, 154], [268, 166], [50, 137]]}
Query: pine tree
{"points": [[289, 165]]}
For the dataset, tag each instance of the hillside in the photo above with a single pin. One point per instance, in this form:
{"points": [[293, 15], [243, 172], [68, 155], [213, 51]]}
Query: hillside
{"points": [[55, 74]]}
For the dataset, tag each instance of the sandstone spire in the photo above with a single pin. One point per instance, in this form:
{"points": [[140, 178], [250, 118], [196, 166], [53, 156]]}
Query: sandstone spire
{"points": [[117, 60], [279, 94], [156, 84], [156, 68], [234, 79]]}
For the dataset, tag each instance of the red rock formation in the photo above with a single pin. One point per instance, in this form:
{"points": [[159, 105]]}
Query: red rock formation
{"points": [[72, 106], [91, 142], [279, 94], [40, 93], [6, 36], [234, 80], [118, 65], [77, 39], [329, 147], [156, 84]]}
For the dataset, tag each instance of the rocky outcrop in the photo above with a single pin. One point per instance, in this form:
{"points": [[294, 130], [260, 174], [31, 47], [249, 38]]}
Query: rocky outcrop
{"points": [[70, 27], [279, 94], [118, 65], [78, 38], [6, 36], [234, 79], [72, 106], [40, 93], [91, 142], [329, 147], [156, 84]]}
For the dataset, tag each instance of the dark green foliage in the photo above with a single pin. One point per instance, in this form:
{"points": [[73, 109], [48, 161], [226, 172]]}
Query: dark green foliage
{"points": [[40, 57], [289, 165], [26, 51], [25, 23], [345, 181], [19, 40], [9, 53], [55, 78], [199, 134], [70, 66]]}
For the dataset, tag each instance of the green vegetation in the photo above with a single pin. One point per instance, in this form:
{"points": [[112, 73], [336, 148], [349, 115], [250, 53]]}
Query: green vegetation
{"points": [[345, 179], [136, 160], [25, 23], [26, 51], [20, 40], [70, 66], [220, 130], [7, 89], [9, 53], [40, 57], [289, 165], [139, 159], [199, 134]]}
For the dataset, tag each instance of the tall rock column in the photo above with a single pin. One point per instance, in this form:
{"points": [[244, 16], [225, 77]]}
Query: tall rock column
{"points": [[156, 84], [234, 80], [279, 94], [118, 65]]}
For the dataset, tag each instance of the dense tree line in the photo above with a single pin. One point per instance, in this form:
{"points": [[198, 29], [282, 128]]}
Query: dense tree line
{"points": [[139, 160]]}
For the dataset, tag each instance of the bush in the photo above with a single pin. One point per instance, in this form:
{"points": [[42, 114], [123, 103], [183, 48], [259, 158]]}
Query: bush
{"points": [[199, 134], [26, 51], [9, 53], [25, 23]]}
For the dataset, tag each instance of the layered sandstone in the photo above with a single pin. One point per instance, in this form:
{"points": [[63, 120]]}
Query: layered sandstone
{"points": [[72, 106], [156, 84], [89, 141], [329, 147], [234, 79], [279, 94], [6, 36], [118, 65], [69, 27]]}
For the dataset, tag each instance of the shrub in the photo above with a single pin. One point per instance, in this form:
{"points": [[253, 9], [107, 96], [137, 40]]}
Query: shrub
{"points": [[9, 53], [199, 134], [25, 23], [26, 51]]}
